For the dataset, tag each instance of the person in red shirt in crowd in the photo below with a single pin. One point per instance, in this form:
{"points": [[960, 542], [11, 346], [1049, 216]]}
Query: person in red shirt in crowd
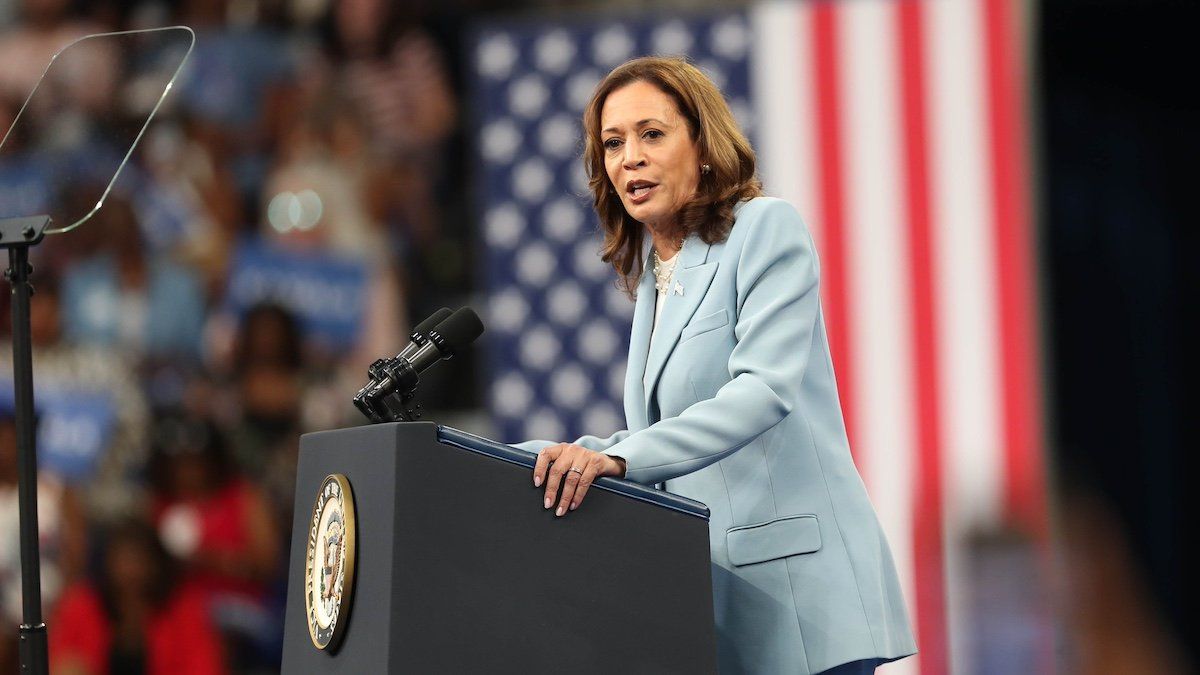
{"points": [[135, 618], [218, 526]]}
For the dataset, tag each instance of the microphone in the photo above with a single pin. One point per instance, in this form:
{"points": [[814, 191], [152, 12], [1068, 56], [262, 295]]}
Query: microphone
{"points": [[449, 337], [418, 338], [420, 334]]}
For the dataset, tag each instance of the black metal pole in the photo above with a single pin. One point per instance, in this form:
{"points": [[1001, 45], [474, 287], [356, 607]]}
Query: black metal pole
{"points": [[32, 648]]}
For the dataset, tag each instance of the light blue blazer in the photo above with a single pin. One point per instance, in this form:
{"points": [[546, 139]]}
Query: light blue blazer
{"points": [[735, 405]]}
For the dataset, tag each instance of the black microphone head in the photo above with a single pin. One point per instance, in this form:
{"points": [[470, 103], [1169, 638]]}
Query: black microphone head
{"points": [[432, 321], [457, 331], [420, 335]]}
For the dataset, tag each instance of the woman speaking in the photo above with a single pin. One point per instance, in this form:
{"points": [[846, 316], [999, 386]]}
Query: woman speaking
{"points": [[730, 396]]}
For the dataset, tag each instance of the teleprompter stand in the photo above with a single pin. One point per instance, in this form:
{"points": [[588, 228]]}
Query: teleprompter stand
{"points": [[18, 235], [162, 51]]}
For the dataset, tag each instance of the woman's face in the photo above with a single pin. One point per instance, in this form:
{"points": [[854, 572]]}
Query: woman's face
{"points": [[130, 566], [649, 154], [359, 22]]}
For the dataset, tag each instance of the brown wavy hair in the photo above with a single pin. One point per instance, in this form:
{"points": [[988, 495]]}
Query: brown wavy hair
{"points": [[719, 142]]}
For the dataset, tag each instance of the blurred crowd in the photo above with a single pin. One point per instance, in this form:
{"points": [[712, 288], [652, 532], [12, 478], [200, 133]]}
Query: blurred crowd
{"points": [[313, 136]]}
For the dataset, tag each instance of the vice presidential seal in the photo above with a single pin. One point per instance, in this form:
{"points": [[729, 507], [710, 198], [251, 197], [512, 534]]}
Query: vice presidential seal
{"points": [[329, 566]]}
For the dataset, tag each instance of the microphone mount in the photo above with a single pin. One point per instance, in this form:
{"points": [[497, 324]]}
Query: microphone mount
{"points": [[379, 404]]}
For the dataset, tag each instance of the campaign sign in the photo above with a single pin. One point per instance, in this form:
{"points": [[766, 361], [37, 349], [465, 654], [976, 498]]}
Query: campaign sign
{"points": [[326, 292], [74, 428], [24, 186]]}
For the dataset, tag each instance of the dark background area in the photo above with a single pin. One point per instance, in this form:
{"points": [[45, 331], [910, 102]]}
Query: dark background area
{"points": [[1119, 145]]}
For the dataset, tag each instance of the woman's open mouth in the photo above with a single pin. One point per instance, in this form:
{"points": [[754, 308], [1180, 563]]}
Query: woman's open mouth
{"points": [[639, 190]]}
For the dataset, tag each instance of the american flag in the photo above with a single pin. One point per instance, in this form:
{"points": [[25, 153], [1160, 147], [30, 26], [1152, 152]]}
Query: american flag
{"points": [[897, 128]]}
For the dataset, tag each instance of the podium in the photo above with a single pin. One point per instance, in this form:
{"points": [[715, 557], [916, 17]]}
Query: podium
{"points": [[458, 568]]}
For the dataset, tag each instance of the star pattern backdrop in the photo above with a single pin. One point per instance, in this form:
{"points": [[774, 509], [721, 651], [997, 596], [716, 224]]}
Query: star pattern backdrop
{"points": [[558, 327]]}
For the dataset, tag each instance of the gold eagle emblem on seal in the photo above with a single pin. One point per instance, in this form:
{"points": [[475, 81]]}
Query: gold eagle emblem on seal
{"points": [[329, 564]]}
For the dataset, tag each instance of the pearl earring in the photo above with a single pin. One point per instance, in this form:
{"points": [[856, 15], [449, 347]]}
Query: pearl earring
{"points": [[705, 168]]}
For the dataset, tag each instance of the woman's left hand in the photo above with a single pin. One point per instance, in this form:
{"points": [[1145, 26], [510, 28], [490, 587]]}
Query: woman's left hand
{"points": [[575, 468]]}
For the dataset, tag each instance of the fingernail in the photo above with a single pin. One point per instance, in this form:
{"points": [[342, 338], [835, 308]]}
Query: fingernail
{"points": [[560, 511], [537, 481], [548, 502], [573, 505]]}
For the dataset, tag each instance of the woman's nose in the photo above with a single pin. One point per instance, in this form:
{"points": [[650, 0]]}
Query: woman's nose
{"points": [[633, 155]]}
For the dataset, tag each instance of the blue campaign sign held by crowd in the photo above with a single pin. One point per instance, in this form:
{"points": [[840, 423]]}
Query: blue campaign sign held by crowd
{"points": [[24, 186], [74, 428], [326, 292]]}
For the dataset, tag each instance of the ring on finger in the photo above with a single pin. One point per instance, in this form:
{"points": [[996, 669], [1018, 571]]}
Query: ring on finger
{"points": [[578, 471]]}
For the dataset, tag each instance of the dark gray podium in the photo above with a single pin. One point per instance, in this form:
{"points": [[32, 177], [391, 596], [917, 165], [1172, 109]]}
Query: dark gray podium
{"points": [[460, 570]]}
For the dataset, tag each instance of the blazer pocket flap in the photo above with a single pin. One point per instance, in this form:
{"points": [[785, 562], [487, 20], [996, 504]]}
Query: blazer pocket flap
{"points": [[779, 538], [704, 324]]}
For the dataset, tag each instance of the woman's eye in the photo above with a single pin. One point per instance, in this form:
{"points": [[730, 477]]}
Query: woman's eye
{"points": [[652, 133], [612, 144]]}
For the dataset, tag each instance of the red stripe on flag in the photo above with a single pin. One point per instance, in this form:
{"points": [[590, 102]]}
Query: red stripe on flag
{"points": [[1024, 489], [830, 204], [927, 505]]}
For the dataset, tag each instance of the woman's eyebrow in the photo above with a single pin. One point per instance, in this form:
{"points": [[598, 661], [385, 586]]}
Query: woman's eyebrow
{"points": [[641, 123]]}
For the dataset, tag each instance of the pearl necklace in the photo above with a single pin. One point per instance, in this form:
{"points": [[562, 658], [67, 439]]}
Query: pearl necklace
{"points": [[663, 271]]}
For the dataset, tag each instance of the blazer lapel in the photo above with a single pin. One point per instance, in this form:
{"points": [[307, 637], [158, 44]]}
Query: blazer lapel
{"points": [[692, 278], [639, 345]]}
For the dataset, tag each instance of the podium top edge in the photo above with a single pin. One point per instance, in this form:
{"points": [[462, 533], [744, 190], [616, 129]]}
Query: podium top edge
{"points": [[508, 453]]}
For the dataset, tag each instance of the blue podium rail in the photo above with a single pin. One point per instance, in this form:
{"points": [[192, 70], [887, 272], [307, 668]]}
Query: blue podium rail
{"points": [[507, 453]]}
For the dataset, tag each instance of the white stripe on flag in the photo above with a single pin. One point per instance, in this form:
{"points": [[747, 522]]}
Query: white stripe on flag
{"points": [[972, 458], [878, 272], [966, 263], [781, 82]]}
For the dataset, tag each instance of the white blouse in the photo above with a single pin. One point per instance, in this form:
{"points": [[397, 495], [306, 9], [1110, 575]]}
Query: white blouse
{"points": [[661, 298]]}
